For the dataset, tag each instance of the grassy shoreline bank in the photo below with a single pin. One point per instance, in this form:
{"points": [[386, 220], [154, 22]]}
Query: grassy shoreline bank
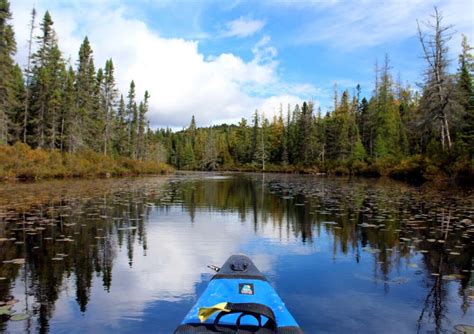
{"points": [[20, 162]]}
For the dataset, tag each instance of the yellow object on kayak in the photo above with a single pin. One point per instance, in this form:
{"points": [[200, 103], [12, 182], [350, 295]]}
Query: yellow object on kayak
{"points": [[205, 312]]}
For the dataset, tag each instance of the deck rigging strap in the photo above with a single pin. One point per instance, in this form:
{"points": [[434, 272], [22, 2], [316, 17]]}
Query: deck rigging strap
{"points": [[247, 309]]}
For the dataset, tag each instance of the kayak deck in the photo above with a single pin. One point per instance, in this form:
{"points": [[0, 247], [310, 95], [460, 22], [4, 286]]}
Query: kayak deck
{"points": [[239, 299]]}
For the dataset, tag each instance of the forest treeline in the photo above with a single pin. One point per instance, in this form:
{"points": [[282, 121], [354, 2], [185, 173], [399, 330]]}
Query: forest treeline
{"points": [[402, 131], [51, 107]]}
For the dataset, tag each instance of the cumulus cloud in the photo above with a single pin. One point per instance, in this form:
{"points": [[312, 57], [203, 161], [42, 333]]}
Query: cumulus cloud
{"points": [[180, 79], [242, 27]]}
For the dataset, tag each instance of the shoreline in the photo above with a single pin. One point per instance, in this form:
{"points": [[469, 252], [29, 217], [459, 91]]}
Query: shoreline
{"points": [[20, 163]]}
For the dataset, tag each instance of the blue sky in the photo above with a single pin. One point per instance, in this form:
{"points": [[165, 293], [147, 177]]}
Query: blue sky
{"points": [[221, 60]]}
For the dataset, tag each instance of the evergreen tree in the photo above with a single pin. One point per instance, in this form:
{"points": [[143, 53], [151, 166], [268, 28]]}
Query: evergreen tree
{"points": [[341, 121], [16, 112], [466, 89], [142, 110], [121, 129], [85, 98], [109, 95], [303, 136], [46, 87], [387, 118], [68, 112], [132, 121], [254, 145], [8, 100], [293, 136]]}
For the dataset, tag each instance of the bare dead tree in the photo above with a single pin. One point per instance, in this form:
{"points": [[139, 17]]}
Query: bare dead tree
{"points": [[439, 99]]}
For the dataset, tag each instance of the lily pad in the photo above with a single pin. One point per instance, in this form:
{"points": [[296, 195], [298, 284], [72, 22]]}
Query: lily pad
{"points": [[466, 329], [12, 301], [452, 277], [6, 310], [15, 261], [127, 228], [19, 317]]}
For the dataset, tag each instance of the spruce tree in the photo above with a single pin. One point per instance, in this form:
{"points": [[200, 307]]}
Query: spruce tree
{"points": [[387, 122], [107, 96], [8, 101], [142, 110], [131, 120], [85, 98], [120, 137], [46, 87], [16, 112], [68, 112], [466, 90]]}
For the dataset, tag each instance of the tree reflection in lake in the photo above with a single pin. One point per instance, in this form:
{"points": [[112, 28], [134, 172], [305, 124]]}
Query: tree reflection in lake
{"points": [[146, 241]]}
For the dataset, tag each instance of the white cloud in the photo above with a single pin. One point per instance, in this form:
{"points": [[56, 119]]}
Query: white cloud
{"points": [[242, 27], [180, 79]]}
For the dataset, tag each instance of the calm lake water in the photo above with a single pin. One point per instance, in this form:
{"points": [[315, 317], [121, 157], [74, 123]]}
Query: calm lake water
{"points": [[130, 255]]}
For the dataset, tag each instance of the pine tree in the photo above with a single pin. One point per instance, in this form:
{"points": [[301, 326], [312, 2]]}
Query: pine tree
{"points": [[57, 72], [85, 98], [276, 137], [387, 137], [131, 120], [319, 138], [304, 142], [109, 95], [466, 89], [120, 130], [293, 136], [341, 121], [255, 128], [142, 110], [8, 101], [68, 111], [16, 112], [192, 131], [46, 86]]}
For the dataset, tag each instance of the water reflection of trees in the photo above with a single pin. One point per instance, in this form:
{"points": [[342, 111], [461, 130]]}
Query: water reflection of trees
{"points": [[66, 239], [393, 223]]}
